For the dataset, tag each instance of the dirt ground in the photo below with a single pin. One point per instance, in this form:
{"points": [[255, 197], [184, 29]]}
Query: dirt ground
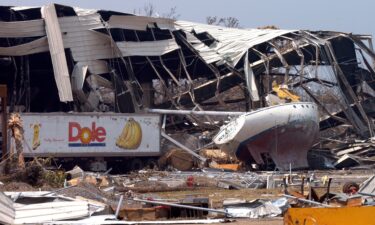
{"points": [[217, 195], [265, 221]]}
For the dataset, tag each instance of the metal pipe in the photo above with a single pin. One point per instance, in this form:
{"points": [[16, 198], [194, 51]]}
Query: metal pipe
{"points": [[193, 112], [328, 190], [303, 185], [366, 194], [307, 201], [169, 138], [119, 206], [107, 172], [180, 206], [3, 98]]}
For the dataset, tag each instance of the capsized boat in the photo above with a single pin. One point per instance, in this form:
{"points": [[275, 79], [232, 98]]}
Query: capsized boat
{"points": [[284, 132]]}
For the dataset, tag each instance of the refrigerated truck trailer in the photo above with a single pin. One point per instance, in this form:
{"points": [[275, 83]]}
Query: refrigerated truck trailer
{"points": [[95, 141]]}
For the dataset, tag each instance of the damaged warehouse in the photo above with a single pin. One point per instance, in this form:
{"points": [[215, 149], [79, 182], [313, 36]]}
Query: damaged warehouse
{"points": [[63, 59]]}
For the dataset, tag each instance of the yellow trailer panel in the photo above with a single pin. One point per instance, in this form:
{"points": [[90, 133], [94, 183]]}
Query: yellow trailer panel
{"points": [[363, 215]]}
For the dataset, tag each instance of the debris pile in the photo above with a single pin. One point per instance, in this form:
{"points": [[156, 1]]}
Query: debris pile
{"points": [[205, 196], [199, 77], [345, 150], [195, 112]]}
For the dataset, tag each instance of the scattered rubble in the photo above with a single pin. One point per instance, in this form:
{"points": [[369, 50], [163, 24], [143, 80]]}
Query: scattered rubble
{"points": [[160, 196]]}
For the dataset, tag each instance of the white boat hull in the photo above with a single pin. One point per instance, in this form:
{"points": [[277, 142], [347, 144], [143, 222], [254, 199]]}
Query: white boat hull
{"points": [[284, 132]]}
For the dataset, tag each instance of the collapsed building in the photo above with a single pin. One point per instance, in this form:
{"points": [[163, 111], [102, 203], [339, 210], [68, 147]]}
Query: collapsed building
{"points": [[59, 58]]}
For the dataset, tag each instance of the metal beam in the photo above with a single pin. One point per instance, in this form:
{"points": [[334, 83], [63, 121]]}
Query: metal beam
{"points": [[3, 96], [181, 206], [183, 147], [192, 112], [306, 200]]}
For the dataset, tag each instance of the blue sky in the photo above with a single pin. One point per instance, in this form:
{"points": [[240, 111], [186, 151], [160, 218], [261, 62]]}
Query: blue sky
{"points": [[348, 16]]}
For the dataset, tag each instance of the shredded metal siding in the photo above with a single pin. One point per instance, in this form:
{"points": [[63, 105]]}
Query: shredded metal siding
{"points": [[20, 8], [36, 46], [85, 44], [7, 213], [76, 23], [97, 66], [139, 22], [28, 28], [209, 55], [84, 12], [250, 79], [78, 76], [147, 48], [57, 52]]}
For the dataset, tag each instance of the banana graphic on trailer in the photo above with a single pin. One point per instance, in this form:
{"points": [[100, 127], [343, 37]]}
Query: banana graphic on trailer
{"points": [[36, 139], [131, 135]]}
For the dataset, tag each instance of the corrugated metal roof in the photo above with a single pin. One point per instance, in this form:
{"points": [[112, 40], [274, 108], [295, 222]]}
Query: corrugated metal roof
{"points": [[50, 211], [88, 46], [232, 43], [27, 28], [147, 48], [139, 22], [209, 55], [55, 42], [84, 12], [58, 208], [20, 8]]}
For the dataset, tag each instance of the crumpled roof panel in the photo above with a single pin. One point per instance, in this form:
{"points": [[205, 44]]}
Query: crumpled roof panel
{"points": [[232, 43]]}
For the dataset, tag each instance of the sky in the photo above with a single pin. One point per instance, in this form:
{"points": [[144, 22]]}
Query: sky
{"points": [[338, 15]]}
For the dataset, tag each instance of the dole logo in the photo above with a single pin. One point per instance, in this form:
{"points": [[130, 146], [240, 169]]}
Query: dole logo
{"points": [[85, 136]]}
